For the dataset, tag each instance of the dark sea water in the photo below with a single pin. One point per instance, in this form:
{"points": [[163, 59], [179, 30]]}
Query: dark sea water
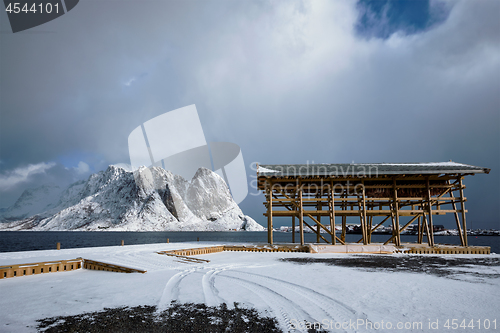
{"points": [[11, 241]]}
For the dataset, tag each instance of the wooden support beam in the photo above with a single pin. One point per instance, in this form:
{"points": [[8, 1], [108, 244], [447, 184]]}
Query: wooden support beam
{"points": [[361, 222], [462, 204], [321, 236], [344, 220], [402, 229], [396, 213], [393, 224], [317, 222], [365, 222], [301, 217], [378, 225], [312, 187], [370, 224], [429, 206], [319, 207], [332, 213], [324, 228], [426, 227], [403, 212], [413, 200], [419, 230], [457, 220], [270, 212]]}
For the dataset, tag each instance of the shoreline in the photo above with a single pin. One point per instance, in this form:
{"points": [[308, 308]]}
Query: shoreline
{"points": [[270, 283]]}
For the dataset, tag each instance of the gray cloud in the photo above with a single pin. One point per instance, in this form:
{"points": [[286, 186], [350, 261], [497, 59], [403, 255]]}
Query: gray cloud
{"points": [[289, 82]]}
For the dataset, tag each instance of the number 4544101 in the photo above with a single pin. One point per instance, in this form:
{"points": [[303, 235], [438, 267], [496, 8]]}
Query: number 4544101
{"points": [[472, 324], [35, 8]]}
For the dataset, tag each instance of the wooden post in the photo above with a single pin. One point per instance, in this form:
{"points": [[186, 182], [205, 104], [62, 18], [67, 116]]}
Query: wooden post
{"points": [[270, 213], [331, 203], [301, 216], [426, 227], [198, 239], [419, 240], [363, 234], [429, 207], [370, 225], [319, 207], [457, 219], [393, 224], [396, 213], [58, 246], [419, 230], [123, 242], [462, 201], [365, 222], [376, 227], [344, 218], [294, 201], [168, 240], [404, 227]]}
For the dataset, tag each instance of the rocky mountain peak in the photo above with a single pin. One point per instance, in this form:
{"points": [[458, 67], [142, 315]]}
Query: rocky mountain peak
{"points": [[145, 200]]}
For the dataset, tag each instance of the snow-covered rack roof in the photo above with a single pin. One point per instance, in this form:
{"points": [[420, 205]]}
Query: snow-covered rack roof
{"points": [[366, 169]]}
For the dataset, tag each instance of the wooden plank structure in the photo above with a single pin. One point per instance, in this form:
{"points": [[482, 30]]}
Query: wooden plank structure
{"points": [[40, 268], [55, 266], [103, 266], [194, 251], [402, 193], [323, 248]]}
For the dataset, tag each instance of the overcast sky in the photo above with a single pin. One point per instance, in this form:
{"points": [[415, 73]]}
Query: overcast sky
{"points": [[288, 81]]}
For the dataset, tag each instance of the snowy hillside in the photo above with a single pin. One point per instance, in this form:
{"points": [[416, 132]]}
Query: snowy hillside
{"points": [[147, 200], [33, 201]]}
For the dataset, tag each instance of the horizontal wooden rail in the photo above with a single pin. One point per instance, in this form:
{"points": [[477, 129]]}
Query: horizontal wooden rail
{"points": [[355, 200], [374, 212], [448, 250], [195, 251], [267, 248], [40, 268], [55, 266], [103, 266]]}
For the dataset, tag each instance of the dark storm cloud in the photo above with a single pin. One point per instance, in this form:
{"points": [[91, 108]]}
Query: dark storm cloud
{"points": [[14, 182], [289, 82]]}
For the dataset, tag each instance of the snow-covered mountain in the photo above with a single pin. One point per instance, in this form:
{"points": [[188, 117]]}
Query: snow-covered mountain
{"points": [[33, 201], [149, 199]]}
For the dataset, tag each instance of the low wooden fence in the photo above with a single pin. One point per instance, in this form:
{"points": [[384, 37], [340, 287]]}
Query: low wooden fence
{"points": [[102, 266], [449, 250], [350, 248], [9, 271], [193, 252], [267, 248], [40, 268]]}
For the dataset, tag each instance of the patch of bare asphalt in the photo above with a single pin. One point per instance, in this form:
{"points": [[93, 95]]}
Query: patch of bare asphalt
{"points": [[452, 267], [177, 318]]}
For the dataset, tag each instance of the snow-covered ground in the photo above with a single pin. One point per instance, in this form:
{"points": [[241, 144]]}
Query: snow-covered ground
{"points": [[341, 298]]}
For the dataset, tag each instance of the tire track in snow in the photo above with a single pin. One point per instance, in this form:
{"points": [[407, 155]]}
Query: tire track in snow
{"points": [[340, 311], [284, 308], [171, 290], [210, 292]]}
